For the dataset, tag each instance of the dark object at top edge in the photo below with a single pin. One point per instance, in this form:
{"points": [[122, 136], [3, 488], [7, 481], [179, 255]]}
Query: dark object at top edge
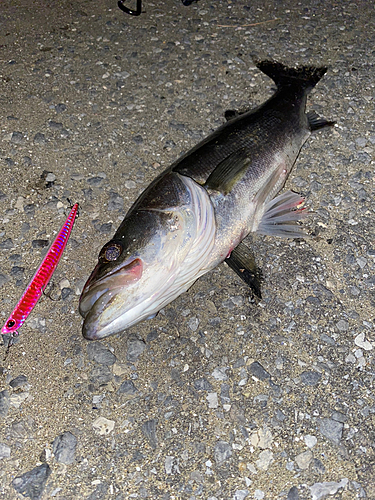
{"points": [[138, 10]]}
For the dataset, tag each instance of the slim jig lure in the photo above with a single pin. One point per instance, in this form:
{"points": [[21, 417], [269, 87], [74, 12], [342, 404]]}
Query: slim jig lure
{"points": [[41, 278]]}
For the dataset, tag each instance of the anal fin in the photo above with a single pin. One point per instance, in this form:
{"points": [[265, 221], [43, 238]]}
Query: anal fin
{"points": [[242, 261], [281, 216]]}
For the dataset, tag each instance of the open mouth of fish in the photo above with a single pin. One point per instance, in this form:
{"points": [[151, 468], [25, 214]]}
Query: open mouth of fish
{"points": [[99, 294]]}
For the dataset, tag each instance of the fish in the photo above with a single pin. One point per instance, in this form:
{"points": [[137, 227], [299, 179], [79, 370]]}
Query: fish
{"points": [[196, 214], [41, 278]]}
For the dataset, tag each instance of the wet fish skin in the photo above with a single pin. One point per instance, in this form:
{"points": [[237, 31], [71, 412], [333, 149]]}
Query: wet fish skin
{"points": [[197, 211]]}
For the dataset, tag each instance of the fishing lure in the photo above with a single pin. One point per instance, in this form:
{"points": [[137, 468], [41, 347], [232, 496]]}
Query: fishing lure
{"points": [[41, 278]]}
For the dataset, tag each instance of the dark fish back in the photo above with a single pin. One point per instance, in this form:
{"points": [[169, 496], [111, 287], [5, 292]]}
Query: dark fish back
{"points": [[256, 131], [262, 129]]}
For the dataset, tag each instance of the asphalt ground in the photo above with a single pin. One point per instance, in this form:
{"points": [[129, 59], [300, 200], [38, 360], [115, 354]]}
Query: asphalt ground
{"points": [[217, 397]]}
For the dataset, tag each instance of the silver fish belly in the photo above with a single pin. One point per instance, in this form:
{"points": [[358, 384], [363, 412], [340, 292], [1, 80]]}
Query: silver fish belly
{"points": [[196, 213]]}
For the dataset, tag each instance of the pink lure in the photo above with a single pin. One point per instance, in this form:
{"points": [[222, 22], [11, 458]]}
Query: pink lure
{"points": [[41, 278]]}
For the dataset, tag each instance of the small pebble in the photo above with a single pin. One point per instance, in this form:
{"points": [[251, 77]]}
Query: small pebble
{"points": [[3, 279], [310, 378], [64, 447], [265, 459], [130, 184], [257, 371], [60, 107], [32, 483], [322, 490], [40, 243], [65, 292], [29, 209], [17, 138], [4, 403], [310, 441], [20, 381], [55, 125], [95, 181], [342, 325], [116, 202], [222, 452], [127, 387], [293, 493], [241, 494], [6, 244], [4, 451], [360, 341], [193, 324], [103, 426], [262, 438], [18, 398], [100, 354], [50, 177], [318, 466], [135, 349], [331, 429], [138, 139], [119, 369], [101, 374], [212, 400], [39, 138], [219, 373], [303, 459]]}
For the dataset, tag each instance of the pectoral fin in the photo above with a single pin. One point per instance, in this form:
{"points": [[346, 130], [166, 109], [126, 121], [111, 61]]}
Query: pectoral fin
{"points": [[242, 261], [228, 172]]}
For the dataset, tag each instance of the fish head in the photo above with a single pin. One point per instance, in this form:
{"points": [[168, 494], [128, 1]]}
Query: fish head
{"points": [[130, 280]]}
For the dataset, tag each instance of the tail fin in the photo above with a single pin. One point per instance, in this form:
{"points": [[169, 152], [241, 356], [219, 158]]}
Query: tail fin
{"points": [[305, 76]]}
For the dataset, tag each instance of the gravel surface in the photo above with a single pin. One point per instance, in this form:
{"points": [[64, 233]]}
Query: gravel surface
{"points": [[217, 398]]}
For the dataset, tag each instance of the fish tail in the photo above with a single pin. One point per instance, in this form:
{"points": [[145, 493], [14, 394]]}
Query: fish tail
{"points": [[305, 76]]}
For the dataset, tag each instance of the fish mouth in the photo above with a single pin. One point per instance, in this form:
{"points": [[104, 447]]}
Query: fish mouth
{"points": [[98, 294]]}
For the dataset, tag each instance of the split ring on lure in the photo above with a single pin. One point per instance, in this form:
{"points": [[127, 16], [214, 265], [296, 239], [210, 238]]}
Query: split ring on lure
{"points": [[41, 278]]}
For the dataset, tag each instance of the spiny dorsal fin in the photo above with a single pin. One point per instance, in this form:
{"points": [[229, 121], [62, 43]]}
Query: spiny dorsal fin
{"points": [[242, 261]]}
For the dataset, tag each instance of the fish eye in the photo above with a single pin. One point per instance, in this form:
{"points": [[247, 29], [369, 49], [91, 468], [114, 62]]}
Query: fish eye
{"points": [[11, 323], [111, 252]]}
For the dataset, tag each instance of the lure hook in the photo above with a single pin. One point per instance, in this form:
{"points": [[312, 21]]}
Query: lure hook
{"points": [[137, 12], [10, 342]]}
